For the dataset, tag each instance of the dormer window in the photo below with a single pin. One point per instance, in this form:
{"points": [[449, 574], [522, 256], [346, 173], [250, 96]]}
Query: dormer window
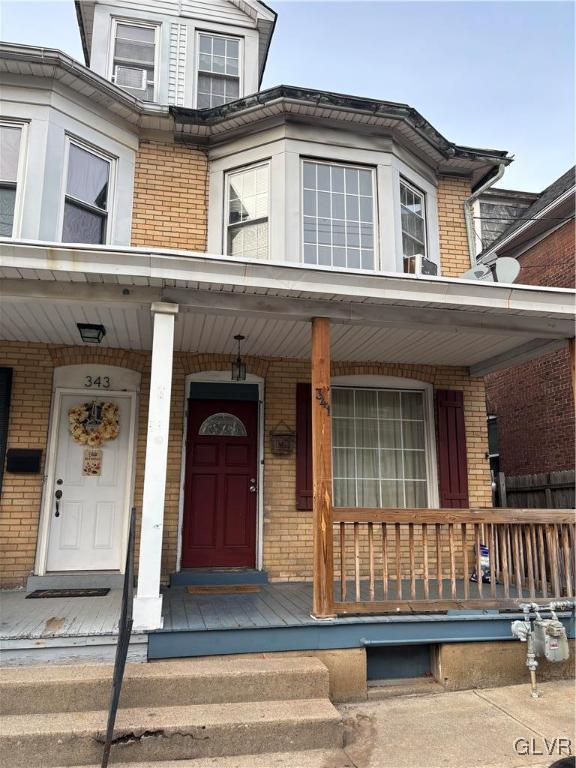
{"points": [[134, 59], [218, 70]]}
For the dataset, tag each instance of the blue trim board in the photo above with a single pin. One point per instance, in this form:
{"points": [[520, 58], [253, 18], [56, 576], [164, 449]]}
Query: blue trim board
{"points": [[217, 576], [390, 630]]}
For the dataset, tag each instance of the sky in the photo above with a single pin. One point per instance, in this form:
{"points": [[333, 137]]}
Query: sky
{"points": [[485, 74]]}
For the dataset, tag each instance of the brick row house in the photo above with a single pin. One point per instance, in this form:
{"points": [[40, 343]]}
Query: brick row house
{"points": [[532, 403], [243, 312]]}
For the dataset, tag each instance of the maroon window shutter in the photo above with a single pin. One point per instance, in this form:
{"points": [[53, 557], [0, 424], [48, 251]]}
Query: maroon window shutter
{"points": [[452, 464], [303, 446]]}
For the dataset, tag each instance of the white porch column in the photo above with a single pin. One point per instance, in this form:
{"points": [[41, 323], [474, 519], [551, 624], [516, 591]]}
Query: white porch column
{"points": [[148, 601]]}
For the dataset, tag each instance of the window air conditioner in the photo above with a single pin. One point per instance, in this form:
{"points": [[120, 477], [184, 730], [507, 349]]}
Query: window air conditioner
{"points": [[130, 77]]}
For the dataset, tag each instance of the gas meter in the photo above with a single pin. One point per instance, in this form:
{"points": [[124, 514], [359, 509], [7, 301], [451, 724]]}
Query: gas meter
{"points": [[543, 637]]}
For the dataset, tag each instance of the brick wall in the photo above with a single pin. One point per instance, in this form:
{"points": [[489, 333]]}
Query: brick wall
{"points": [[287, 531], [534, 401], [454, 254], [170, 196]]}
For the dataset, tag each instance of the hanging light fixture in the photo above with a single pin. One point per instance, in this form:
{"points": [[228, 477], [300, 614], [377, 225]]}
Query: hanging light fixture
{"points": [[238, 367], [90, 333]]}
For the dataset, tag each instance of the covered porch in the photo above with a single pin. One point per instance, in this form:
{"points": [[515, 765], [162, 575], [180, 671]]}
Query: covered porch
{"points": [[365, 560]]}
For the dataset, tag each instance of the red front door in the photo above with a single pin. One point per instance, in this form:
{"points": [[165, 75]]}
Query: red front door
{"points": [[220, 484]]}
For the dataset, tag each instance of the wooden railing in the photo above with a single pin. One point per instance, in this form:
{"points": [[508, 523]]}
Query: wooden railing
{"points": [[397, 560]]}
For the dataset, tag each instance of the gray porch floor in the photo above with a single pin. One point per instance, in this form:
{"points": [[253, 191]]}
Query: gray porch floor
{"points": [[58, 617], [278, 604]]}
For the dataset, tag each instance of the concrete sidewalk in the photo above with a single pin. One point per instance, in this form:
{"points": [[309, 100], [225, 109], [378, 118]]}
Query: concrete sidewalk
{"points": [[466, 729]]}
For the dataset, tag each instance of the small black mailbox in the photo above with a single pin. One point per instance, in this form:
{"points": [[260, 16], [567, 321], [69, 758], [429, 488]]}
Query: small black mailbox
{"points": [[24, 460]]}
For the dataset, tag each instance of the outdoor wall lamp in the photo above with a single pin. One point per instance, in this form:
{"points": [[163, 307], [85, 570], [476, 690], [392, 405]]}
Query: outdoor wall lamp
{"points": [[91, 333], [238, 367]]}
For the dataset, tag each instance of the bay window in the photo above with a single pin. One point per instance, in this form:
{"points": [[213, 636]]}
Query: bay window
{"points": [[10, 146], [247, 201], [413, 215], [86, 196], [338, 215], [218, 70], [134, 57], [379, 448]]}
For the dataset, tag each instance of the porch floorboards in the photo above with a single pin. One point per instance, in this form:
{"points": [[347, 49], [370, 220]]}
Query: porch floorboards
{"points": [[277, 618]]}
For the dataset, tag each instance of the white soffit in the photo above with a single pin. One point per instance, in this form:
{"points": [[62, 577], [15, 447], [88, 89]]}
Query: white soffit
{"points": [[131, 328]]}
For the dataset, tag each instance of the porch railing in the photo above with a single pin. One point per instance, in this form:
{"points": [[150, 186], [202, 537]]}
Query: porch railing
{"points": [[390, 560]]}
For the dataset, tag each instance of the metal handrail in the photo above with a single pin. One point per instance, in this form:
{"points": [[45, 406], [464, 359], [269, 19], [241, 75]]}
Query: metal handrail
{"points": [[124, 633]]}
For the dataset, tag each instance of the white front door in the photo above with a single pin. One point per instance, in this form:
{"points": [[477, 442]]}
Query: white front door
{"points": [[87, 522]]}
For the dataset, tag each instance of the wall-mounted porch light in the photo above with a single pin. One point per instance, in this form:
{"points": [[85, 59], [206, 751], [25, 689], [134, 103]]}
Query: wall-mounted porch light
{"points": [[91, 333], [238, 367]]}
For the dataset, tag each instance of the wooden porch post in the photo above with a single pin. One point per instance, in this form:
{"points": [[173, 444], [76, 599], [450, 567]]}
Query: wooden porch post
{"points": [[322, 603]]}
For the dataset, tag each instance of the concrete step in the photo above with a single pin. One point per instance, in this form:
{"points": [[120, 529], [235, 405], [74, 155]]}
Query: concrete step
{"points": [[170, 733], [314, 758], [75, 581], [409, 686], [29, 690]]}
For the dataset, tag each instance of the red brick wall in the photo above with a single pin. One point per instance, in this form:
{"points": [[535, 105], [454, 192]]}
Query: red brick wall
{"points": [[533, 401]]}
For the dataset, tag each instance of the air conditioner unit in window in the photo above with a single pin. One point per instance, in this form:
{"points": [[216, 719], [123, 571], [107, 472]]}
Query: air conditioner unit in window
{"points": [[424, 266], [130, 77]]}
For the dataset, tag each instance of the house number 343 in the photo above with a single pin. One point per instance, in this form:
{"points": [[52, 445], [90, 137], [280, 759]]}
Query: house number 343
{"points": [[97, 382]]}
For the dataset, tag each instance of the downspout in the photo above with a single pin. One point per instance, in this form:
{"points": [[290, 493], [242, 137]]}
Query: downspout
{"points": [[468, 212]]}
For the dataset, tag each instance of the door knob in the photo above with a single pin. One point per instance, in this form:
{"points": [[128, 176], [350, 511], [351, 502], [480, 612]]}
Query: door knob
{"points": [[252, 489], [58, 496]]}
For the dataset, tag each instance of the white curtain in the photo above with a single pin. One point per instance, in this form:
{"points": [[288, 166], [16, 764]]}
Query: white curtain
{"points": [[379, 448]]}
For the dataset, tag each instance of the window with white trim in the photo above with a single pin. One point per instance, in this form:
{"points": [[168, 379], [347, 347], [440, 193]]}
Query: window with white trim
{"points": [[218, 70], [86, 200], [10, 148], [338, 215], [247, 202], [379, 448], [134, 59], [413, 214]]}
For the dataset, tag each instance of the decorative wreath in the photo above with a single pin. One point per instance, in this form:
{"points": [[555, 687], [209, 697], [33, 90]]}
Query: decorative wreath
{"points": [[94, 423]]}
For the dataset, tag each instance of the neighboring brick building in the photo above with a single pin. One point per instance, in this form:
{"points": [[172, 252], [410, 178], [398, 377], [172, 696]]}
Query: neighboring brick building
{"points": [[533, 402]]}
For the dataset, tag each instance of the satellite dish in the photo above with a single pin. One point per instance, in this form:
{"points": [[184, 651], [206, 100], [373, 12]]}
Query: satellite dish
{"points": [[507, 269], [479, 272]]}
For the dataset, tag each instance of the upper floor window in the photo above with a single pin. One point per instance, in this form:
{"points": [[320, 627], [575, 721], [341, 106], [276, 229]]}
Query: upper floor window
{"points": [[10, 143], [338, 206], [413, 214], [133, 63], [218, 70], [86, 197], [247, 212]]}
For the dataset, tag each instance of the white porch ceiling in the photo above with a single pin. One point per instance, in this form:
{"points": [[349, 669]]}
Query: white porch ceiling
{"points": [[131, 328], [47, 288]]}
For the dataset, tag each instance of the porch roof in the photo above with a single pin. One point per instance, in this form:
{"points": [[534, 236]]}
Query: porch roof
{"points": [[48, 288]]}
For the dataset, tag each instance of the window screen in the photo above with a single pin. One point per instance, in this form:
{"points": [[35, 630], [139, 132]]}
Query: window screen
{"points": [[10, 139]]}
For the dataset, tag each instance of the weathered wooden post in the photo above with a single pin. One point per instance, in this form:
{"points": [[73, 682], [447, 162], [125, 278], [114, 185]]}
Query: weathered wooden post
{"points": [[323, 595]]}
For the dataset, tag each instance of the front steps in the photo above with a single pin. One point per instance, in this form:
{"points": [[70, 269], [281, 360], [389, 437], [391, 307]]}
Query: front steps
{"points": [[217, 577], [169, 711]]}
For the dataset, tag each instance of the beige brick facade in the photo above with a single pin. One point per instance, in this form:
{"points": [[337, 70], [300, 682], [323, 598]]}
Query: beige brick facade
{"points": [[454, 254], [170, 196], [287, 531]]}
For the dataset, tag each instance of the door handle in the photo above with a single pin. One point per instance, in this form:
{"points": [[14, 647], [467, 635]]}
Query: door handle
{"points": [[252, 485], [58, 496]]}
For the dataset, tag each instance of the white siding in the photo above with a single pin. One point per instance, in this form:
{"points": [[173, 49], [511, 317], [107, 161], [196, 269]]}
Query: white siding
{"points": [[177, 67]]}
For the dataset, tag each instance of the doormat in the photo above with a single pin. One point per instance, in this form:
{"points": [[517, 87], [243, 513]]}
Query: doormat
{"points": [[39, 593], [221, 589]]}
